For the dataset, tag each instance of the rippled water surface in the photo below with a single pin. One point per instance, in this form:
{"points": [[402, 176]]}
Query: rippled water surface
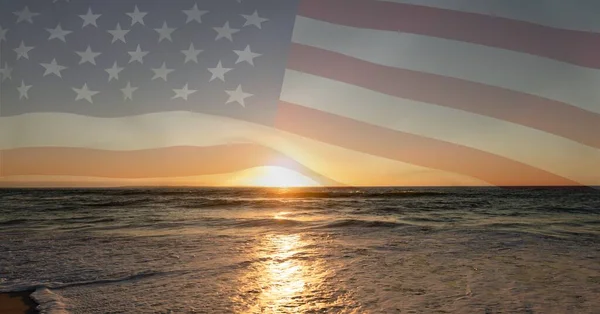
{"points": [[384, 250]]}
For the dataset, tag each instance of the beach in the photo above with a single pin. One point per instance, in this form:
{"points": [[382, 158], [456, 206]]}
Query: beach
{"points": [[325, 250], [17, 303]]}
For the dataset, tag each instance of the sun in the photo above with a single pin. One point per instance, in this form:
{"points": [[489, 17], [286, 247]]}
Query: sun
{"points": [[273, 176]]}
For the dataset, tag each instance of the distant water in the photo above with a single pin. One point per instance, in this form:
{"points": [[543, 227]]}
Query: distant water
{"points": [[376, 250]]}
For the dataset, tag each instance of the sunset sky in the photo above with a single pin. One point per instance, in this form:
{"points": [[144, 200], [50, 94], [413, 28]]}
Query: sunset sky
{"points": [[298, 93]]}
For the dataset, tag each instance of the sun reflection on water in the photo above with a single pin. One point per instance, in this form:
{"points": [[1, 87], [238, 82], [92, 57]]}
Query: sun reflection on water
{"points": [[290, 271], [281, 280], [281, 215], [286, 277]]}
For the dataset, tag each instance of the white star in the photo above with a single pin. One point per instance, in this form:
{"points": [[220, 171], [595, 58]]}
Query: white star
{"points": [[3, 33], [84, 93], [88, 56], [118, 33], [161, 72], [218, 72], [23, 89], [254, 19], [246, 55], [23, 51], [113, 72], [25, 15], [183, 93], [194, 14], [6, 72], [237, 95], [191, 54], [137, 55], [53, 68], [164, 32], [225, 32], [89, 18], [137, 16], [128, 91], [58, 32]]}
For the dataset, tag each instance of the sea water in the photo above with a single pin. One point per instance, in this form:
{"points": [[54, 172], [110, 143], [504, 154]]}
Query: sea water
{"points": [[317, 250]]}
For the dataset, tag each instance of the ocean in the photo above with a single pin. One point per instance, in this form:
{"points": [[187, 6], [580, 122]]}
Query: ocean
{"points": [[311, 250]]}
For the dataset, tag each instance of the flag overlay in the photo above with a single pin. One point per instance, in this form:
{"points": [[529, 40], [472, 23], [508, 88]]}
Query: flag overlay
{"points": [[485, 92]]}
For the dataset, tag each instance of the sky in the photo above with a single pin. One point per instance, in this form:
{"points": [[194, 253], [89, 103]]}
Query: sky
{"points": [[227, 93]]}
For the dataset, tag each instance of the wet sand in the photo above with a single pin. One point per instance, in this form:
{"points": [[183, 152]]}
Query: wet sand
{"points": [[17, 303]]}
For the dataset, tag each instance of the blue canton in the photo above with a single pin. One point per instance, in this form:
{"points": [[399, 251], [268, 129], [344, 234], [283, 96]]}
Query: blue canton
{"points": [[115, 58]]}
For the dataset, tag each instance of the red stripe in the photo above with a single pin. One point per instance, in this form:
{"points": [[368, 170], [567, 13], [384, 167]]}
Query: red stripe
{"points": [[532, 111], [575, 47], [152, 163], [410, 148]]}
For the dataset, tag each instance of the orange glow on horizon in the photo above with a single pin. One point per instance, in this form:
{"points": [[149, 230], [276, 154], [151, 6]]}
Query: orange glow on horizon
{"points": [[273, 176]]}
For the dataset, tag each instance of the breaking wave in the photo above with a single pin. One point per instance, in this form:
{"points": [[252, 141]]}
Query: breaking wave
{"points": [[356, 223]]}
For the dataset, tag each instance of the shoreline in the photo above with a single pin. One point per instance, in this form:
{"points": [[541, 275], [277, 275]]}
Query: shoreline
{"points": [[17, 303]]}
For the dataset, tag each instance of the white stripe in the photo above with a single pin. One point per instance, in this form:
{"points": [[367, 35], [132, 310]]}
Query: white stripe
{"points": [[221, 179], [516, 71], [194, 129], [204, 180], [410, 178], [579, 15], [128, 133], [539, 149]]}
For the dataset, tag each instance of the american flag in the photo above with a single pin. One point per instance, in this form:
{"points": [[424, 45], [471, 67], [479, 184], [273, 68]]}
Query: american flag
{"points": [[443, 92]]}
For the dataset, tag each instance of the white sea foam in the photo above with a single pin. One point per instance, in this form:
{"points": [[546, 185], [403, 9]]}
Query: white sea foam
{"points": [[49, 302]]}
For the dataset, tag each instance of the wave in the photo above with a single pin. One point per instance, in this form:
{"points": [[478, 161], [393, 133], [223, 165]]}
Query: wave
{"points": [[14, 222], [268, 222], [356, 223], [571, 210], [432, 219], [214, 202], [359, 194], [64, 222], [89, 220], [245, 203], [49, 302], [509, 225], [30, 286], [119, 203], [138, 276]]}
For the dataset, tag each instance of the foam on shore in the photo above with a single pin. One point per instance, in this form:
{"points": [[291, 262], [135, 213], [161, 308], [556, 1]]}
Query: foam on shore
{"points": [[49, 302]]}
